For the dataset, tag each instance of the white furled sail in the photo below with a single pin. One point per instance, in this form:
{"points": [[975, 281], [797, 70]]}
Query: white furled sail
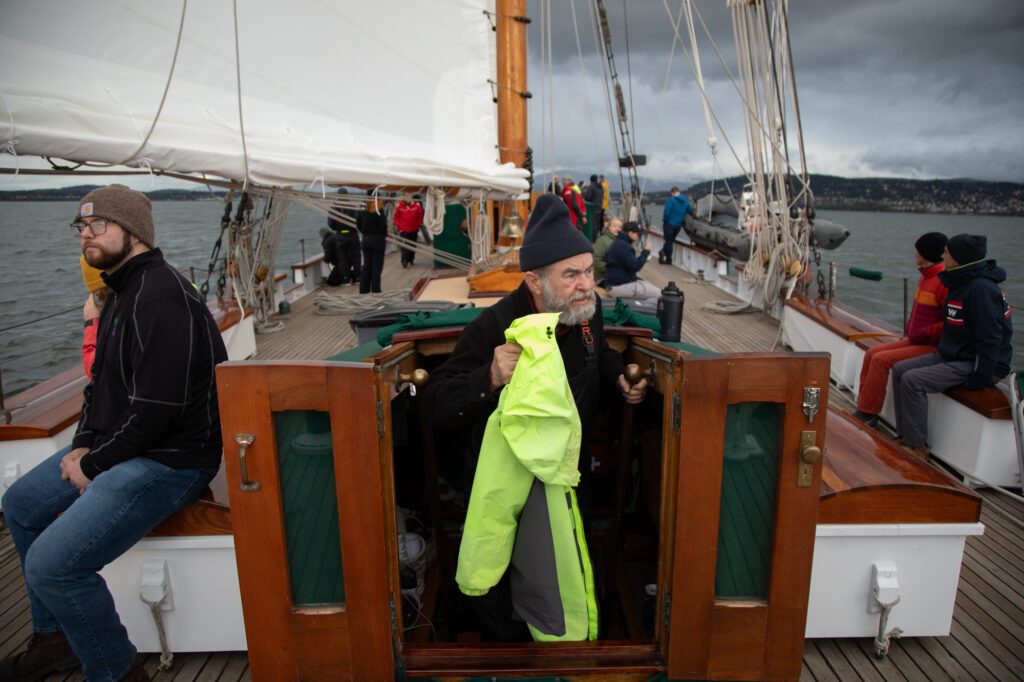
{"points": [[391, 92]]}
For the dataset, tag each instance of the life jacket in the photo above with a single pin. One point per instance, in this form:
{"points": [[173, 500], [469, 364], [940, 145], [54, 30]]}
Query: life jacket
{"points": [[522, 508]]}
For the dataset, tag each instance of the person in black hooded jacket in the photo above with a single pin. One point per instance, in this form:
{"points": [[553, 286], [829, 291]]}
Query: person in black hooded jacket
{"points": [[974, 349]]}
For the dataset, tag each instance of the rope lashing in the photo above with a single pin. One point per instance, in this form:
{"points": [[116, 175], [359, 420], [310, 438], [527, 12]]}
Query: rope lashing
{"points": [[884, 639]]}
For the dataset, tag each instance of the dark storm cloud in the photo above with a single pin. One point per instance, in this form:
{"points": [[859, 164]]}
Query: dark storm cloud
{"points": [[918, 88]]}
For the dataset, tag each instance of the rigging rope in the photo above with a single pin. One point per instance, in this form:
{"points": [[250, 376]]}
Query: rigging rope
{"points": [[167, 87], [583, 72], [343, 304], [238, 80], [433, 215]]}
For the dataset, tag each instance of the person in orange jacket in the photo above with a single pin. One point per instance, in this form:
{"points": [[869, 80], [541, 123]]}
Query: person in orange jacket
{"points": [[920, 336]]}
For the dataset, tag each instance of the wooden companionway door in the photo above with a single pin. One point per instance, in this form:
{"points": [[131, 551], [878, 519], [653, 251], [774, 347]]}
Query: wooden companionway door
{"points": [[751, 429], [301, 450]]}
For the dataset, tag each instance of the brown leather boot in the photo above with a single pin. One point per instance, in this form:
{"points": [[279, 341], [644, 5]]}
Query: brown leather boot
{"points": [[136, 673], [47, 652], [921, 452]]}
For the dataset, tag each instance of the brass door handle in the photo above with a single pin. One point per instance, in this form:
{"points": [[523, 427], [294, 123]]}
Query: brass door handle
{"points": [[810, 455], [417, 377], [244, 440]]}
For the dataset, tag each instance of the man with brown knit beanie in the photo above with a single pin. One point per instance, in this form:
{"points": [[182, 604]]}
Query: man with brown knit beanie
{"points": [[147, 444]]}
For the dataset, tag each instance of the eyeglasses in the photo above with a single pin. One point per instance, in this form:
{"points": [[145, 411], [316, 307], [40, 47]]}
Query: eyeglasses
{"points": [[97, 227]]}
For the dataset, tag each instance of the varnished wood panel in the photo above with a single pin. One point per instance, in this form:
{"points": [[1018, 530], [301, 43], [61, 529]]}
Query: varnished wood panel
{"points": [[696, 533], [710, 384], [352, 395], [737, 641], [260, 550], [203, 517], [869, 479], [796, 513], [46, 409], [296, 386], [322, 644]]}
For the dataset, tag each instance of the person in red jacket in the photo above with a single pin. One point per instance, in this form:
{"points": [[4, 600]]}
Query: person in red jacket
{"points": [[408, 218], [573, 199], [98, 294], [921, 335]]}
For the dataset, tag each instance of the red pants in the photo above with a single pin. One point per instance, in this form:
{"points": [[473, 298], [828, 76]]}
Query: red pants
{"points": [[874, 373]]}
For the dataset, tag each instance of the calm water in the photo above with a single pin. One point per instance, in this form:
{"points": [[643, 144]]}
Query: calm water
{"points": [[40, 273]]}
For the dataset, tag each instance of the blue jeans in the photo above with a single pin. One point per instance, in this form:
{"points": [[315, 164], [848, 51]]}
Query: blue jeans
{"points": [[670, 232], [61, 557]]}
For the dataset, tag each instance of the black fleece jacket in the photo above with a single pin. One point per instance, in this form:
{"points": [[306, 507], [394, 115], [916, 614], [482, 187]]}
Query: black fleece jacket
{"points": [[977, 326], [153, 392]]}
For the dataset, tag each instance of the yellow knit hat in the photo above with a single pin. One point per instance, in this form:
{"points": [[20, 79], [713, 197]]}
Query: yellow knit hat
{"points": [[91, 276]]}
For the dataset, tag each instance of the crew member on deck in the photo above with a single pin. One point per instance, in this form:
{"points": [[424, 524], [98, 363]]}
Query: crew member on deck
{"points": [[462, 393]]}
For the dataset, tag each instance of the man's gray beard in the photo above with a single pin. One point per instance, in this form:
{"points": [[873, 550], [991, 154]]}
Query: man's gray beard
{"points": [[569, 315]]}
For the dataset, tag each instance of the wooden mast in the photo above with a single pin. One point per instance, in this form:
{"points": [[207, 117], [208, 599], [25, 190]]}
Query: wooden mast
{"points": [[511, 88], [511, 94]]}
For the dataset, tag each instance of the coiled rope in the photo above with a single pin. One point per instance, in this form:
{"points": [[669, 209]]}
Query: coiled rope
{"points": [[433, 214], [347, 304]]}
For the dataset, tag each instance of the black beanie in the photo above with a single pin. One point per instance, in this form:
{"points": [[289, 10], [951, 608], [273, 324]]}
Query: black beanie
{"points": [[930, 246], [550, 236], [631, 227], [967, 248]]}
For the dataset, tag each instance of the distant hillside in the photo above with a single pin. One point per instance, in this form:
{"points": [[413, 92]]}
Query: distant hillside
{"points": [[894, 194], [831, 192], [76, 192]]}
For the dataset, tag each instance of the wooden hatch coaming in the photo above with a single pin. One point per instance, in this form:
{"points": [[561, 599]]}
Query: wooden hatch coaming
{"points": [[868, 479]]}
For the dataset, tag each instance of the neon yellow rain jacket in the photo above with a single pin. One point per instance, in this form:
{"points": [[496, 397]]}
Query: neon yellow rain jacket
{"points": [[529, 458]]}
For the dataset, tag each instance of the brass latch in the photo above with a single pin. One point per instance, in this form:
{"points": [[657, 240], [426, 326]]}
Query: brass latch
{"points": [[810, 454]]}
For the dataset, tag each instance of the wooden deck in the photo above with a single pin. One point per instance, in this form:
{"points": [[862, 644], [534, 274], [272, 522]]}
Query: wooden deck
{"points": [[987, 639]]}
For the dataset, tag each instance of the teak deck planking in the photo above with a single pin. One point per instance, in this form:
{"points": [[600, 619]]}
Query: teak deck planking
{"points": [[987, 638]]}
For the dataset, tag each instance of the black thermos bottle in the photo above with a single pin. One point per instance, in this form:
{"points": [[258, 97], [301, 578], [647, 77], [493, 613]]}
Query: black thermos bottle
{"points": [[670, 312]]}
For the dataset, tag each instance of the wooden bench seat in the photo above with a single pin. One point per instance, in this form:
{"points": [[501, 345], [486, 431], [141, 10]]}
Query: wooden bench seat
{"points": [[869, 479], [46, 409], [866, 332], [209, 515], [861, 329]]}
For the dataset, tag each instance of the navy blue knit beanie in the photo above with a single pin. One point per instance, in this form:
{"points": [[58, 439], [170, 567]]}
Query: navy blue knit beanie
{"points": [[930, 246], [550, 236], [967, 248]]}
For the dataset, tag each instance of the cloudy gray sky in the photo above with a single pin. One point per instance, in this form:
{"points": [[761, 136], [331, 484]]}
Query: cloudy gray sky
{"points": [[906, 88]]}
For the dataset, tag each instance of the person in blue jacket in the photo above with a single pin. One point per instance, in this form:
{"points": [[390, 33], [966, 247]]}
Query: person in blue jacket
{"points": [[672, 220], [974, 348], [622, 264]]}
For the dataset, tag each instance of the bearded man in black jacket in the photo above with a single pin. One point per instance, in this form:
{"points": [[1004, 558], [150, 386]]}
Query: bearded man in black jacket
{"points": [[147, 444], [558, 276]]}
